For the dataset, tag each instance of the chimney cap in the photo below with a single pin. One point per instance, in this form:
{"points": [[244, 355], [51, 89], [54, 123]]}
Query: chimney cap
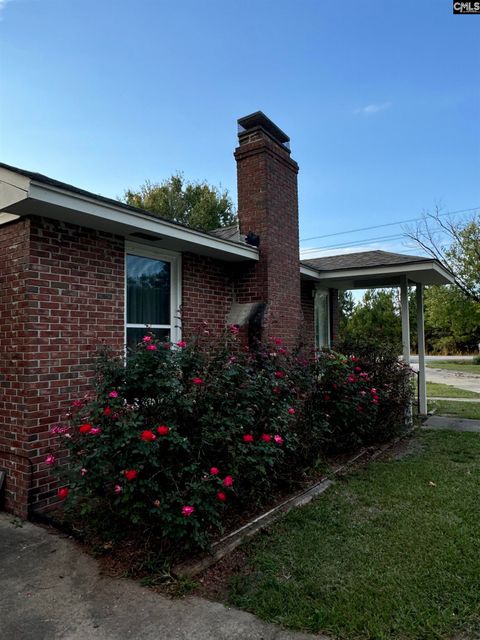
{"points": [[259, 119]]}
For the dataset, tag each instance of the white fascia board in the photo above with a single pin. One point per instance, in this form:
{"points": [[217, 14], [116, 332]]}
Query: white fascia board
{"points": [[21, 193], [389, 270], [142, 222], [309, 273], [13, 188]]}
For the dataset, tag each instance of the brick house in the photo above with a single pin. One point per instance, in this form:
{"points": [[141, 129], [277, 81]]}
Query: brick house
{"points": [[77, 269]]}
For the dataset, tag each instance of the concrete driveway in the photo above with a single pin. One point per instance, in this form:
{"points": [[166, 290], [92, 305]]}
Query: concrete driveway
{"points": [[51, 590]]}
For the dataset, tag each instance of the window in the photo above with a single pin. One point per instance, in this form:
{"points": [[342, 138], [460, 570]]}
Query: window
{"points": [[152, 283], [322, 318]]}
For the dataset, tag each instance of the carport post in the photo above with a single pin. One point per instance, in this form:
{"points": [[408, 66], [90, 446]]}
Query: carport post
{"points": [[405, 319], [422, 383]]}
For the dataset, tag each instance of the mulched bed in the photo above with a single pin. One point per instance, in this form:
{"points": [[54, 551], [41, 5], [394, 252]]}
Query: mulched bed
{"points": [[138, 558]]}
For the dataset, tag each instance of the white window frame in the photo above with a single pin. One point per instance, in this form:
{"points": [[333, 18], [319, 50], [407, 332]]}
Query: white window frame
{"points": [[323, 292], [175, 260]]}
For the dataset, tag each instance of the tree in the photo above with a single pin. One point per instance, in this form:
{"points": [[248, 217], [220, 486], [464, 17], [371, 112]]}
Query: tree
{"points": [[346, 306], [377, 315], [452, 320], [454, 243], [194, 204]]}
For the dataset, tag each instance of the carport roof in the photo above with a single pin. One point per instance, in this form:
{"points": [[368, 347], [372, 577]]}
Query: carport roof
{"points": [[366, 269]]}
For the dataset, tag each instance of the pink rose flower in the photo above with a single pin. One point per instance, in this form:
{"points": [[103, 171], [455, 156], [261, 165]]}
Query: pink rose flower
{"points": [[291, 411], [278, 439], [95, 431], [181, 343], [187, 511], [147, 339], [228, 481], [214, 471], [113, 394], [279, 374], [117, 489], [151, 347], [50, 459], [83, 472]]}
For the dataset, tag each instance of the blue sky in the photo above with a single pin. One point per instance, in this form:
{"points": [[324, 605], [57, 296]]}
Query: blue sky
{"points": [[380, 99]]}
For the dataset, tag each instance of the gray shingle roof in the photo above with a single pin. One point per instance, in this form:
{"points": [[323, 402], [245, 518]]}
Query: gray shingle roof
{"points": [[363, 259], [229, 233]]}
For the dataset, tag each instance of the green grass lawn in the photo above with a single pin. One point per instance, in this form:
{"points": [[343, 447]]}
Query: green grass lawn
{"points": [[392, 552], [466, 366], [439, 390], [470, 410]]}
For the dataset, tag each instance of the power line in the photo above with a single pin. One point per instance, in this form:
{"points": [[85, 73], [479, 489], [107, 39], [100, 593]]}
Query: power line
{"points": [[388, 224], [356, 242]]}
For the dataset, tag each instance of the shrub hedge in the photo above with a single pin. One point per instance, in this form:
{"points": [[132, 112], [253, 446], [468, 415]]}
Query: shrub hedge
{"points": [[174, 439]]}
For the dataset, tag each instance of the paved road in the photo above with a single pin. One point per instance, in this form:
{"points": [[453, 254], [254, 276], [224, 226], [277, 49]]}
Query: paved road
{"points": [[50, 590], [469, 382]]}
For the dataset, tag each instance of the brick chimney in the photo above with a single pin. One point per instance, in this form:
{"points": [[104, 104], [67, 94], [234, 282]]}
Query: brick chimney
{"points": [[268, 208]]}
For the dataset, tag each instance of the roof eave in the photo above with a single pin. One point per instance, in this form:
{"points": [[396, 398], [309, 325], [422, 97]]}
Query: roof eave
{"points": [[23, 196], [428, 272]]}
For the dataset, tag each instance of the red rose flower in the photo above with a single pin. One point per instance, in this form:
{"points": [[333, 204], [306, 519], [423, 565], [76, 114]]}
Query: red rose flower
{"points": [[222, 496], [279, 374], [266, 437], [148, 436], [85, 428], [327, 397], [107, 411], [276, 390], [163, 430], [130, 474], [291, 411], [214, 471], [62, 493], [197, 381], [248, 437], [228, 481]]}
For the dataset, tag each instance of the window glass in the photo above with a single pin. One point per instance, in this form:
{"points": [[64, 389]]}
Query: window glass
{"points": [[148, 291]]}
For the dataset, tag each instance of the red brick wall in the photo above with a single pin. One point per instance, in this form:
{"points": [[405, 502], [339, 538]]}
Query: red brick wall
{"points": [[207, 294], [68, 298], [268, 206], [14, 348], [308, 326]]}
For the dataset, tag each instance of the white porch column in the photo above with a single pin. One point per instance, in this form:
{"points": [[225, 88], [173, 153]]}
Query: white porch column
{"points": [[405, 319], [422, 383]]}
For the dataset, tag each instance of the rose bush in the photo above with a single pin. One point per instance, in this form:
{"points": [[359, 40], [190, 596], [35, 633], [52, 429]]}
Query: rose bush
{"points": [[176, 438]]}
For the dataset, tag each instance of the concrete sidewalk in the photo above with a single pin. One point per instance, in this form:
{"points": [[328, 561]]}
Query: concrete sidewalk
{"points": [[51, 590], [451, 424]]}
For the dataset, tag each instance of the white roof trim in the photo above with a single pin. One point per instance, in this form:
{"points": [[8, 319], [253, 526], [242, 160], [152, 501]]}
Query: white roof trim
{"points": [[81, 209]]}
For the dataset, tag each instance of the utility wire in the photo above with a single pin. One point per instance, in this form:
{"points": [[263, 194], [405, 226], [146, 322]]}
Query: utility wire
{"points": [[355, 242], [388, 224]]}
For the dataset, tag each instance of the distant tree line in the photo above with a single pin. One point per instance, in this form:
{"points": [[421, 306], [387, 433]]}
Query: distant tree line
{"points": [[452, 312]]}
